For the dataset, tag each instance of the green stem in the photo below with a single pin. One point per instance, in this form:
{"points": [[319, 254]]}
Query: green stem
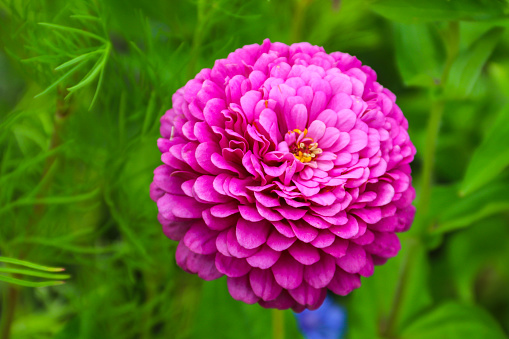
{"points": [[451, 39], [393, 319], [435, 119], [8, 311], [278, 324], [298, 19]]}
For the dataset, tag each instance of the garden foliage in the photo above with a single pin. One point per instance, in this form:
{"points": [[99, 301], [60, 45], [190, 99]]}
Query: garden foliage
{"points": [[83, 85]]}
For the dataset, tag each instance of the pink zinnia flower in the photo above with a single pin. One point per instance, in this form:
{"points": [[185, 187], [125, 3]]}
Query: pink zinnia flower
{"points": [[287, 170]]}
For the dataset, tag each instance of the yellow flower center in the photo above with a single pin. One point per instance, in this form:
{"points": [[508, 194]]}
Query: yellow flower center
{"points": [[304, 149]]}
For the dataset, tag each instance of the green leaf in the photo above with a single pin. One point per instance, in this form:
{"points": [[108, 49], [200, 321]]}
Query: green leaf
{"points": [[33, 273], [61, 79], [30, 265], [453, 212], [94, 72], [413, 11], [467, 68], [27, 283], [417, 54], [73, 30], [491, 157], [79, 58], [454, 321]]}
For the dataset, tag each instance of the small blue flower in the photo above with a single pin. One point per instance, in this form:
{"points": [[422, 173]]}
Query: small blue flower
{"points": [[327, 322]]}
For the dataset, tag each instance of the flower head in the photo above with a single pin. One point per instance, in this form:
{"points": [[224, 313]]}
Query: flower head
{"points": [[287, 170]]}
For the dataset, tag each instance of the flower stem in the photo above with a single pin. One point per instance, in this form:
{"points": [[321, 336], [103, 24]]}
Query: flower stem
{"points": [[451, 40], [278, 324], [298, 19], [8, 311]]}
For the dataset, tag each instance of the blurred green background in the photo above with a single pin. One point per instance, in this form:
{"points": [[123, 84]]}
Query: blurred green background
{"points": [[82, 87]]}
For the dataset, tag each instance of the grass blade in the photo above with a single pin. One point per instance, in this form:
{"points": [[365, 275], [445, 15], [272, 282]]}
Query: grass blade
{"points": [[27, 283], [30, 265], [34, 273]]}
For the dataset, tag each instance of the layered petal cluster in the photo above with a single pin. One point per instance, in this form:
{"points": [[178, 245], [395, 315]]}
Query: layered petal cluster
{"points": [[287, 170]]}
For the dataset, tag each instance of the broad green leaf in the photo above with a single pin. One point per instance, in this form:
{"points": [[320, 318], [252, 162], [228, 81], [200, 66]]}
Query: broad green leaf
{"points": [[454, 321], [412, 11], [484, 247], [417, 54], [491, 157], [466, 69], [451, 211]]}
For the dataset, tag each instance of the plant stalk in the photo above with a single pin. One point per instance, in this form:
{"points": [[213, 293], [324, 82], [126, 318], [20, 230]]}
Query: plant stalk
{"points": [[278, 324]]}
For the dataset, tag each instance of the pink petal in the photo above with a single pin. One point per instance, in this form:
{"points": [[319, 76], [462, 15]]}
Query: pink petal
{"points": [[344, 283], [282, 302], [248, 102], [288, 272], [346, 120], [267, 200], [316, 221], [291, 213], [308, 295], [368, 268], [264, 285], [329, 138], [218, 224], [384, 194], [250, 213], [224, 210], [264, 258], [316, 130], [203, 155], [234, 248], [385, 245], [200, 239], [369, 215], [303, 232], [318, 105], [240, 289], [348, 230], [180, 206], [191, 262], [252, 234], [212, 112], [231, 267], [298, 118], [204, 190], [164, 179], [328, 117], [358, 140], [337, 249], [324, 239], [354, 259], [303, 253], [320, 273], [279, 242]]}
